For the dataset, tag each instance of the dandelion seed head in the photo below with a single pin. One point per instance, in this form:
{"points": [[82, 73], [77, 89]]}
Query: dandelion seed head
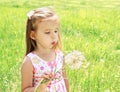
{"points": [[74, 59]]}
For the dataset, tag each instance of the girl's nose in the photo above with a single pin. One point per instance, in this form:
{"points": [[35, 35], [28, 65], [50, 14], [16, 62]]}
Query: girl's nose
{"points": [[53, 35]]}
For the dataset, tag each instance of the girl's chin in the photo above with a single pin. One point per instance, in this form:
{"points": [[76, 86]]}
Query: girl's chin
{"points": [[52, 46]]}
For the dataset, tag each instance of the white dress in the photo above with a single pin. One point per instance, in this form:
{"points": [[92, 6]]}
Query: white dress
{"points": [[41, 66]]}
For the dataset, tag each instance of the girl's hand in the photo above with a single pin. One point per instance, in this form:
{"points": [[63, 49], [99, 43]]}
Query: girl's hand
{"points": [[45, 81]]}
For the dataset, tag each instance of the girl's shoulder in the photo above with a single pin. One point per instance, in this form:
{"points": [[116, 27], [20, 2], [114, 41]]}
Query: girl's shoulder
{"points": [[59, 52], [30, 55], [26, 65], [60, 55]]}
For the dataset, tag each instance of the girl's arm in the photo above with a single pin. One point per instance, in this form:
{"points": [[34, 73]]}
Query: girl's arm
{"points": [[27, 78], [65, 77]]}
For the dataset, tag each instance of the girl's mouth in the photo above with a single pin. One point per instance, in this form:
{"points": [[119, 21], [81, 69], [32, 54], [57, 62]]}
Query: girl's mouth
{"points": [[53, 43]]}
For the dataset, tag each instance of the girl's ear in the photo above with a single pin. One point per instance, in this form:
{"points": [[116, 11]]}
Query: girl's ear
{"points": [[32, 35]]}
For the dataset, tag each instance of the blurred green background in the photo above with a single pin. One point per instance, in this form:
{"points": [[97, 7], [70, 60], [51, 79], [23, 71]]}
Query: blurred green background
{"points": [[90, 26]]}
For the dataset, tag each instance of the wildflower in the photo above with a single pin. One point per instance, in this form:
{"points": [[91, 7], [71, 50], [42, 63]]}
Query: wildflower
{"points": [[75, 59]]}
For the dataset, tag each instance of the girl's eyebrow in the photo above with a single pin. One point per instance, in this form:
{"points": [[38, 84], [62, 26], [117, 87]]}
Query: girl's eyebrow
{"points": [[47, 30], [51, 29]]}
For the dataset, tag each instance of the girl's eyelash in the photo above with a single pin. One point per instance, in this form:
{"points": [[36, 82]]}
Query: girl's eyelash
{"points": [[55, 31], [47, 32]]}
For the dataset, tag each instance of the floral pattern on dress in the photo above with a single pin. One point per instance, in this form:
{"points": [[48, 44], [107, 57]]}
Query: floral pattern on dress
{"points": [[55, 67]]}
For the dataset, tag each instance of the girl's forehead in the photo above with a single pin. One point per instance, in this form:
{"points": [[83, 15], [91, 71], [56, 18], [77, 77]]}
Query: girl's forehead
{"points": [[49, 23], [53, 18]]}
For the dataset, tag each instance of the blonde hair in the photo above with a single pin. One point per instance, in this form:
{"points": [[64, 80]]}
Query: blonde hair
{"points": [[34, 17]]}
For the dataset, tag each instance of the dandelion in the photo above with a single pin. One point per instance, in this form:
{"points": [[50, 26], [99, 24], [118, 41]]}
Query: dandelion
{"points": [[75, 60]]}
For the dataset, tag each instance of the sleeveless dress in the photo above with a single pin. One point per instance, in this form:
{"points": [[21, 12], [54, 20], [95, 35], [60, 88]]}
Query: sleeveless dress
{"points": [[41, 66]]}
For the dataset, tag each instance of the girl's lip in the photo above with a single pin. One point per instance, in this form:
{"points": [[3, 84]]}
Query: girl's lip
{"points": [[53, 43]]}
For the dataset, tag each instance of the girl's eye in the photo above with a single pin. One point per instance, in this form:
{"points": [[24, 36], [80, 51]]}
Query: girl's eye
{"points": [[47, 32], [55, 31]]}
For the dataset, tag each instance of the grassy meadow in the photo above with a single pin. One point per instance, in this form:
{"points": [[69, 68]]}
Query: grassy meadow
{"points": [[90, 26]]}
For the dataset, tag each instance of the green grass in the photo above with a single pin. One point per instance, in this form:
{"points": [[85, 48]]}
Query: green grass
{"points": [[92, 27]]}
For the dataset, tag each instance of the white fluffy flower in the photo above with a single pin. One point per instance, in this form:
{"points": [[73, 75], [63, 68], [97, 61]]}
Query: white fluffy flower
{"points": [[75, 60]]}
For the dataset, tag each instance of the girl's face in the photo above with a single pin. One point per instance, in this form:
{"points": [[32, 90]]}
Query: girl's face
{"points": [[46, 34]]}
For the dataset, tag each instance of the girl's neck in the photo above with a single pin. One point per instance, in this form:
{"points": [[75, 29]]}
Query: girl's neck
{"points": [[43, 51], [46, 54]]}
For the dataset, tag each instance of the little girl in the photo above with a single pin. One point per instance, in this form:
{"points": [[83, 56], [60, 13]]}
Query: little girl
{"points": [[43, 68]]}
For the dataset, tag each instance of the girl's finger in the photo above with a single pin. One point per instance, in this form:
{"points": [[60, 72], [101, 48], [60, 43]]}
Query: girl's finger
{"points": [[47, 76], [48, 73]]}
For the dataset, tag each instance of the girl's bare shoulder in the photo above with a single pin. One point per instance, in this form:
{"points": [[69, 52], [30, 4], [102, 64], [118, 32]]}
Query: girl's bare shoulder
{"points": [[26, 64]]}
